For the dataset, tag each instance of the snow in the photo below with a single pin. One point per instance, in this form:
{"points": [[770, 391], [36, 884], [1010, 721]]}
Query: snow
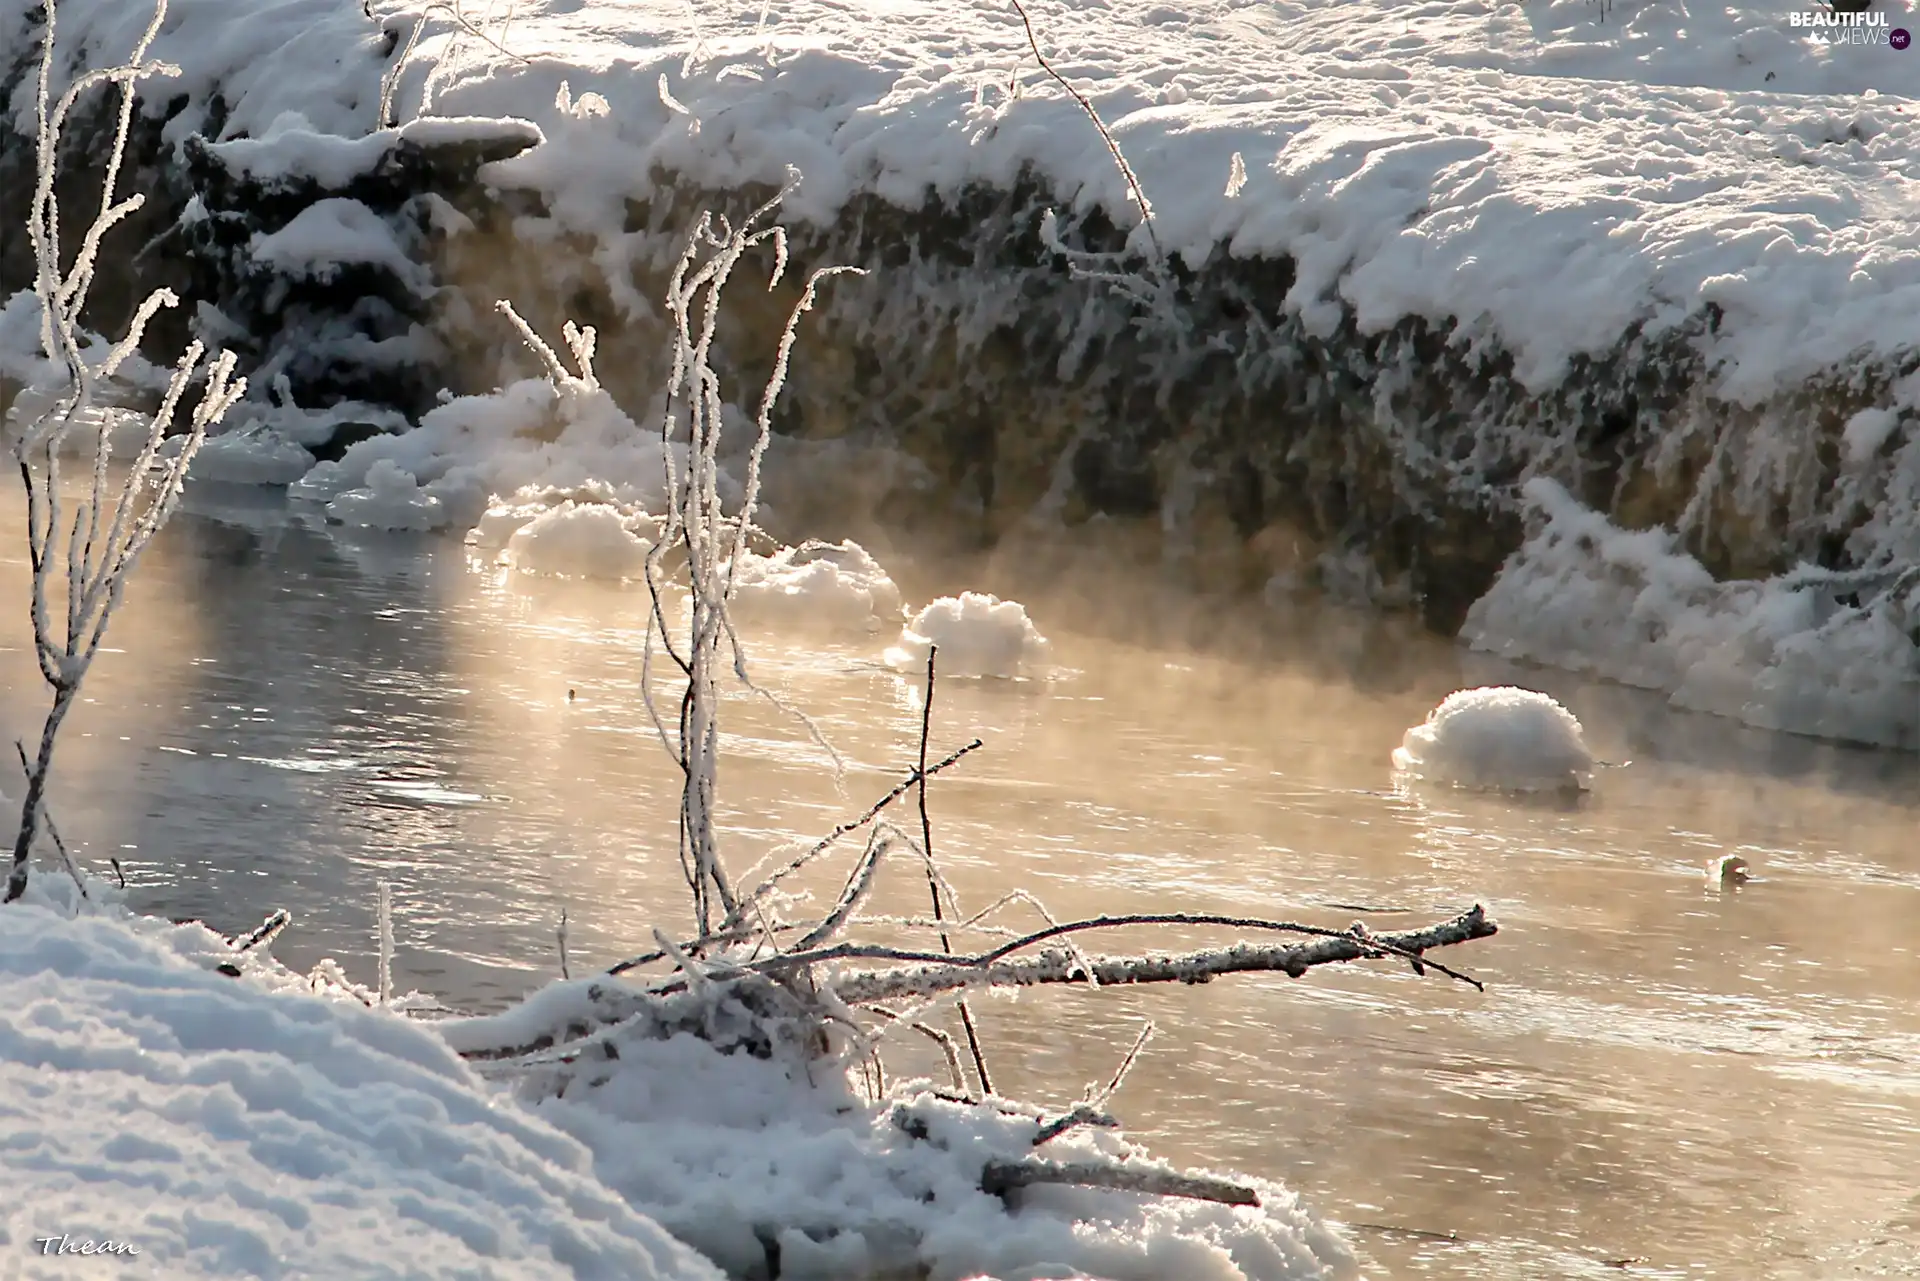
{"points": [[1835, 655], [582, 540], [978, 634], [1866, 432], [834, 586], [225, 1129], [290, 147], [471, 449], [720, 1147], [330, 234], [1498, 738]]}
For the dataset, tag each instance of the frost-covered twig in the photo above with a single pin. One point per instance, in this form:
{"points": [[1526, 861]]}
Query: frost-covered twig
{"points": [[1359, 931], [390, 81], [930, 974], [859, 886], [1001, 1177], [712, 542], [94, 552], [386, 942], [263, 932], [760, 892]]}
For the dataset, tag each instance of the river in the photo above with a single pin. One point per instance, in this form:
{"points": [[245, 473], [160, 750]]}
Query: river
{"points": [[1709, 1084]]}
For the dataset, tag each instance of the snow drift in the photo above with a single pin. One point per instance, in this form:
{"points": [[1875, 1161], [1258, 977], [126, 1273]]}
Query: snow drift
{"points": [[226, 1130]]}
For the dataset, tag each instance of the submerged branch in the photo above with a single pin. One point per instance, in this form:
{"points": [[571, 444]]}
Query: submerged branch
{"points": [[1001, 1177]]}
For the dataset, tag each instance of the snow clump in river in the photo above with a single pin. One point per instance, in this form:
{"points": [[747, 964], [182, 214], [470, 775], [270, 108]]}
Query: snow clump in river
{"points": [[1498, 738], [977, 634]]}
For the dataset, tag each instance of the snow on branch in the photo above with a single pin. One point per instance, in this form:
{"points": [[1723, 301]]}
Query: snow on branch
{"points": [[927, 976]]}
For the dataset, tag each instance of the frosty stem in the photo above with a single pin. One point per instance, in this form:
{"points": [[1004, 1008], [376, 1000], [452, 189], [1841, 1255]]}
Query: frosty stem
{"points": [[100, 546]]}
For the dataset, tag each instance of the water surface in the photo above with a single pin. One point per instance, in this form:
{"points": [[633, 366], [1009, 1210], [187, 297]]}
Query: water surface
{"points": [[1712, 1085]]}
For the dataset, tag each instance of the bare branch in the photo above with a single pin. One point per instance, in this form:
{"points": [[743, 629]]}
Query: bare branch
{"points": [[1106, 134]]}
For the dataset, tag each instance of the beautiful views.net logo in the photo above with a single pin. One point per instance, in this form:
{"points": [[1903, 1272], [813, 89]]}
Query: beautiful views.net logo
{"points": [[1852, 28]]}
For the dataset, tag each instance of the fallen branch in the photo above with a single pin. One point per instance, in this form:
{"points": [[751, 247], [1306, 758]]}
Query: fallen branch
{"points": [[1001, 1177], [862, 987]]}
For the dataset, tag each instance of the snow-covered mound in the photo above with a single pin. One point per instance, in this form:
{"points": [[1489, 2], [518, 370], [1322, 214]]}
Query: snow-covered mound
{"points": [[824, 585], [530, 439], [224, 1130], [730, 1150], [1812, 651], [1497, 738], [977, 634], [583, 540], [332, 234]]}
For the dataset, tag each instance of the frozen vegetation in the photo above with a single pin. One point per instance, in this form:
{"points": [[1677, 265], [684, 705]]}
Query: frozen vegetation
{"points": [[1498, 739]]}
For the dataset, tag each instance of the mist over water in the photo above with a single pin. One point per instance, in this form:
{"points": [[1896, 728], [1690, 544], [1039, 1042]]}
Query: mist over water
{"points": [[1720, 1084]]}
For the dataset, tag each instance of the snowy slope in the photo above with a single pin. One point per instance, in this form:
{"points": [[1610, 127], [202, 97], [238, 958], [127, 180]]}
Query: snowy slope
{"points": [[1546, 178], [225, 1130]]}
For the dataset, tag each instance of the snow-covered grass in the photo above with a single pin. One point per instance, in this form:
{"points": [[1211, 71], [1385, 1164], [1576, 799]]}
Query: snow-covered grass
{"points": [[222, 1128], [1498, 738], [977, 633]]}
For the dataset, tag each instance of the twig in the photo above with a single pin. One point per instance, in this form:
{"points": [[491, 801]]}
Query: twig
{"points": [[859, 886], [1423, 1233], [760, 892], [560, 935], [118, 871], [46, 815], [1126, 1065], [1106, 135], [263, 932], [1001, 1177], [386, 942], [933, 877]]}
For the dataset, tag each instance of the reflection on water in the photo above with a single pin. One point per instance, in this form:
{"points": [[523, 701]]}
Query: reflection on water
{"points": [[1718, 1085]]}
